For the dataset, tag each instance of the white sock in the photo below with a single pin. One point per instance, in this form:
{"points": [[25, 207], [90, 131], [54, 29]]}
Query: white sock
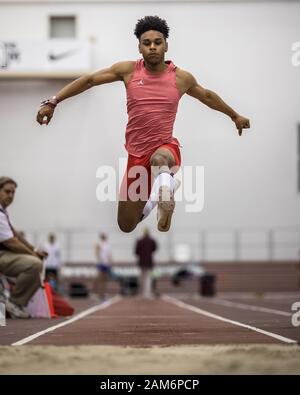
{"points": [[163, 179], [149, 206]]}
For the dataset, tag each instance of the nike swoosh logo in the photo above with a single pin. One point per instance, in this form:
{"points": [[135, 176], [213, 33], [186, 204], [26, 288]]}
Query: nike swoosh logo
{"points": [[61, 55]]}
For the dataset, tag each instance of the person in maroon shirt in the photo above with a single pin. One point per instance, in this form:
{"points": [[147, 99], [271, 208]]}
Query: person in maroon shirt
{"points": [[152, 33], [144, 249]]}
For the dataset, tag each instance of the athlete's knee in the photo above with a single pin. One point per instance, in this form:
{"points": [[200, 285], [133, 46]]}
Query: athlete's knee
{"points": [[127, 225], [159, 159]]}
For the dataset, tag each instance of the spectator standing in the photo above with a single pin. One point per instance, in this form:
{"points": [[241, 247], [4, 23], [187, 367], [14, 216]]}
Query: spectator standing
{"points": [[144, 249], [104, 260], [53, 261]]}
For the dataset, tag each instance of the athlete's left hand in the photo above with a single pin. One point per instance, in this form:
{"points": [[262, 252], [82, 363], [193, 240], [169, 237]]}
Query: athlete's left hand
{"points": [[241, 123]]}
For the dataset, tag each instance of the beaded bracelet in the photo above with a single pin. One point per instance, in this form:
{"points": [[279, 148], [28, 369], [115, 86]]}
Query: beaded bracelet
{"points": [[50, 102]]}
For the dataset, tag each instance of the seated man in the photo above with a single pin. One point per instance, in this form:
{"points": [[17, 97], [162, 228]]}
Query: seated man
{"points": [[18, 258]]}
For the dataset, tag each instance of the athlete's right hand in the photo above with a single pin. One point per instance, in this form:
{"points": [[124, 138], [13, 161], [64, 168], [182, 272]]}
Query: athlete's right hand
{"points": [[45, 114]]}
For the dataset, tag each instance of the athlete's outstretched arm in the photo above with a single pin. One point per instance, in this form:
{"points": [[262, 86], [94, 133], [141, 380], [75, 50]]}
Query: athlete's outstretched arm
{"points": [[212, 100], [81, 84]]}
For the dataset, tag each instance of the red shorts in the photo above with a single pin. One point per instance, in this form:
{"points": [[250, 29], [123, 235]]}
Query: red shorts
{"points": [[138, 178]]}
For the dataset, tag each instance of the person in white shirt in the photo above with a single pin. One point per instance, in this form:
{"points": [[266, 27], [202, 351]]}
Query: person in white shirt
{"points": [[104, 259], [18, 258], [53, 261]]}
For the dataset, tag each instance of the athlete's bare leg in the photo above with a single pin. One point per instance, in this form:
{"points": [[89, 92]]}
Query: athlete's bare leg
{"points": [[162, 157], [129, 214]]}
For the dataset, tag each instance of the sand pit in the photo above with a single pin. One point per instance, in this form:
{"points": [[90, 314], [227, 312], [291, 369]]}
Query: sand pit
{"points": [[241, 359]]}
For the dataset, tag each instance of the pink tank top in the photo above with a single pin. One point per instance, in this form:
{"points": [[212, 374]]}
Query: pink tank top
{"points": [[152, 101]]}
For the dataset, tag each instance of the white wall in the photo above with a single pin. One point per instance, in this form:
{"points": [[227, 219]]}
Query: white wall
{"points": [[240, 50]]}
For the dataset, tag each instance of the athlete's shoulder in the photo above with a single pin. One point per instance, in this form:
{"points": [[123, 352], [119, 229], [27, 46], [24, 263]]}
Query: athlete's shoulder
{"points": [[185, 75], [123, 67], [186, 79]]}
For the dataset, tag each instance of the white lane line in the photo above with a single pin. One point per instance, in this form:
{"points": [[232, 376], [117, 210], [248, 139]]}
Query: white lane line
{"points": [[244, 306], [77, 317], [220, 318]]}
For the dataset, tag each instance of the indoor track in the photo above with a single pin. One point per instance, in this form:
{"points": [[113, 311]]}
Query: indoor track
{"points": [[182, 334], [166, 321]]}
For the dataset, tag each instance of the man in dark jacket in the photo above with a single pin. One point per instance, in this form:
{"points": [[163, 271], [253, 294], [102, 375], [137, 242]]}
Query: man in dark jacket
{"points": [[144, 249]]}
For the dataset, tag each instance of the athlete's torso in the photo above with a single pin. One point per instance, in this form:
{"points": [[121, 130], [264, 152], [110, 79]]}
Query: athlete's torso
{"points": [[152, 101]]}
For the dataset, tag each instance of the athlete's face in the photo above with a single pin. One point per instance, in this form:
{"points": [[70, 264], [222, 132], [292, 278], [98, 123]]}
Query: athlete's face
{"points": [[153, 47]]}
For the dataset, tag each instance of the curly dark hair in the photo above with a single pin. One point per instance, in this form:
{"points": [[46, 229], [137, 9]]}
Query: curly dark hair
{"points": [[151, 23]]}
